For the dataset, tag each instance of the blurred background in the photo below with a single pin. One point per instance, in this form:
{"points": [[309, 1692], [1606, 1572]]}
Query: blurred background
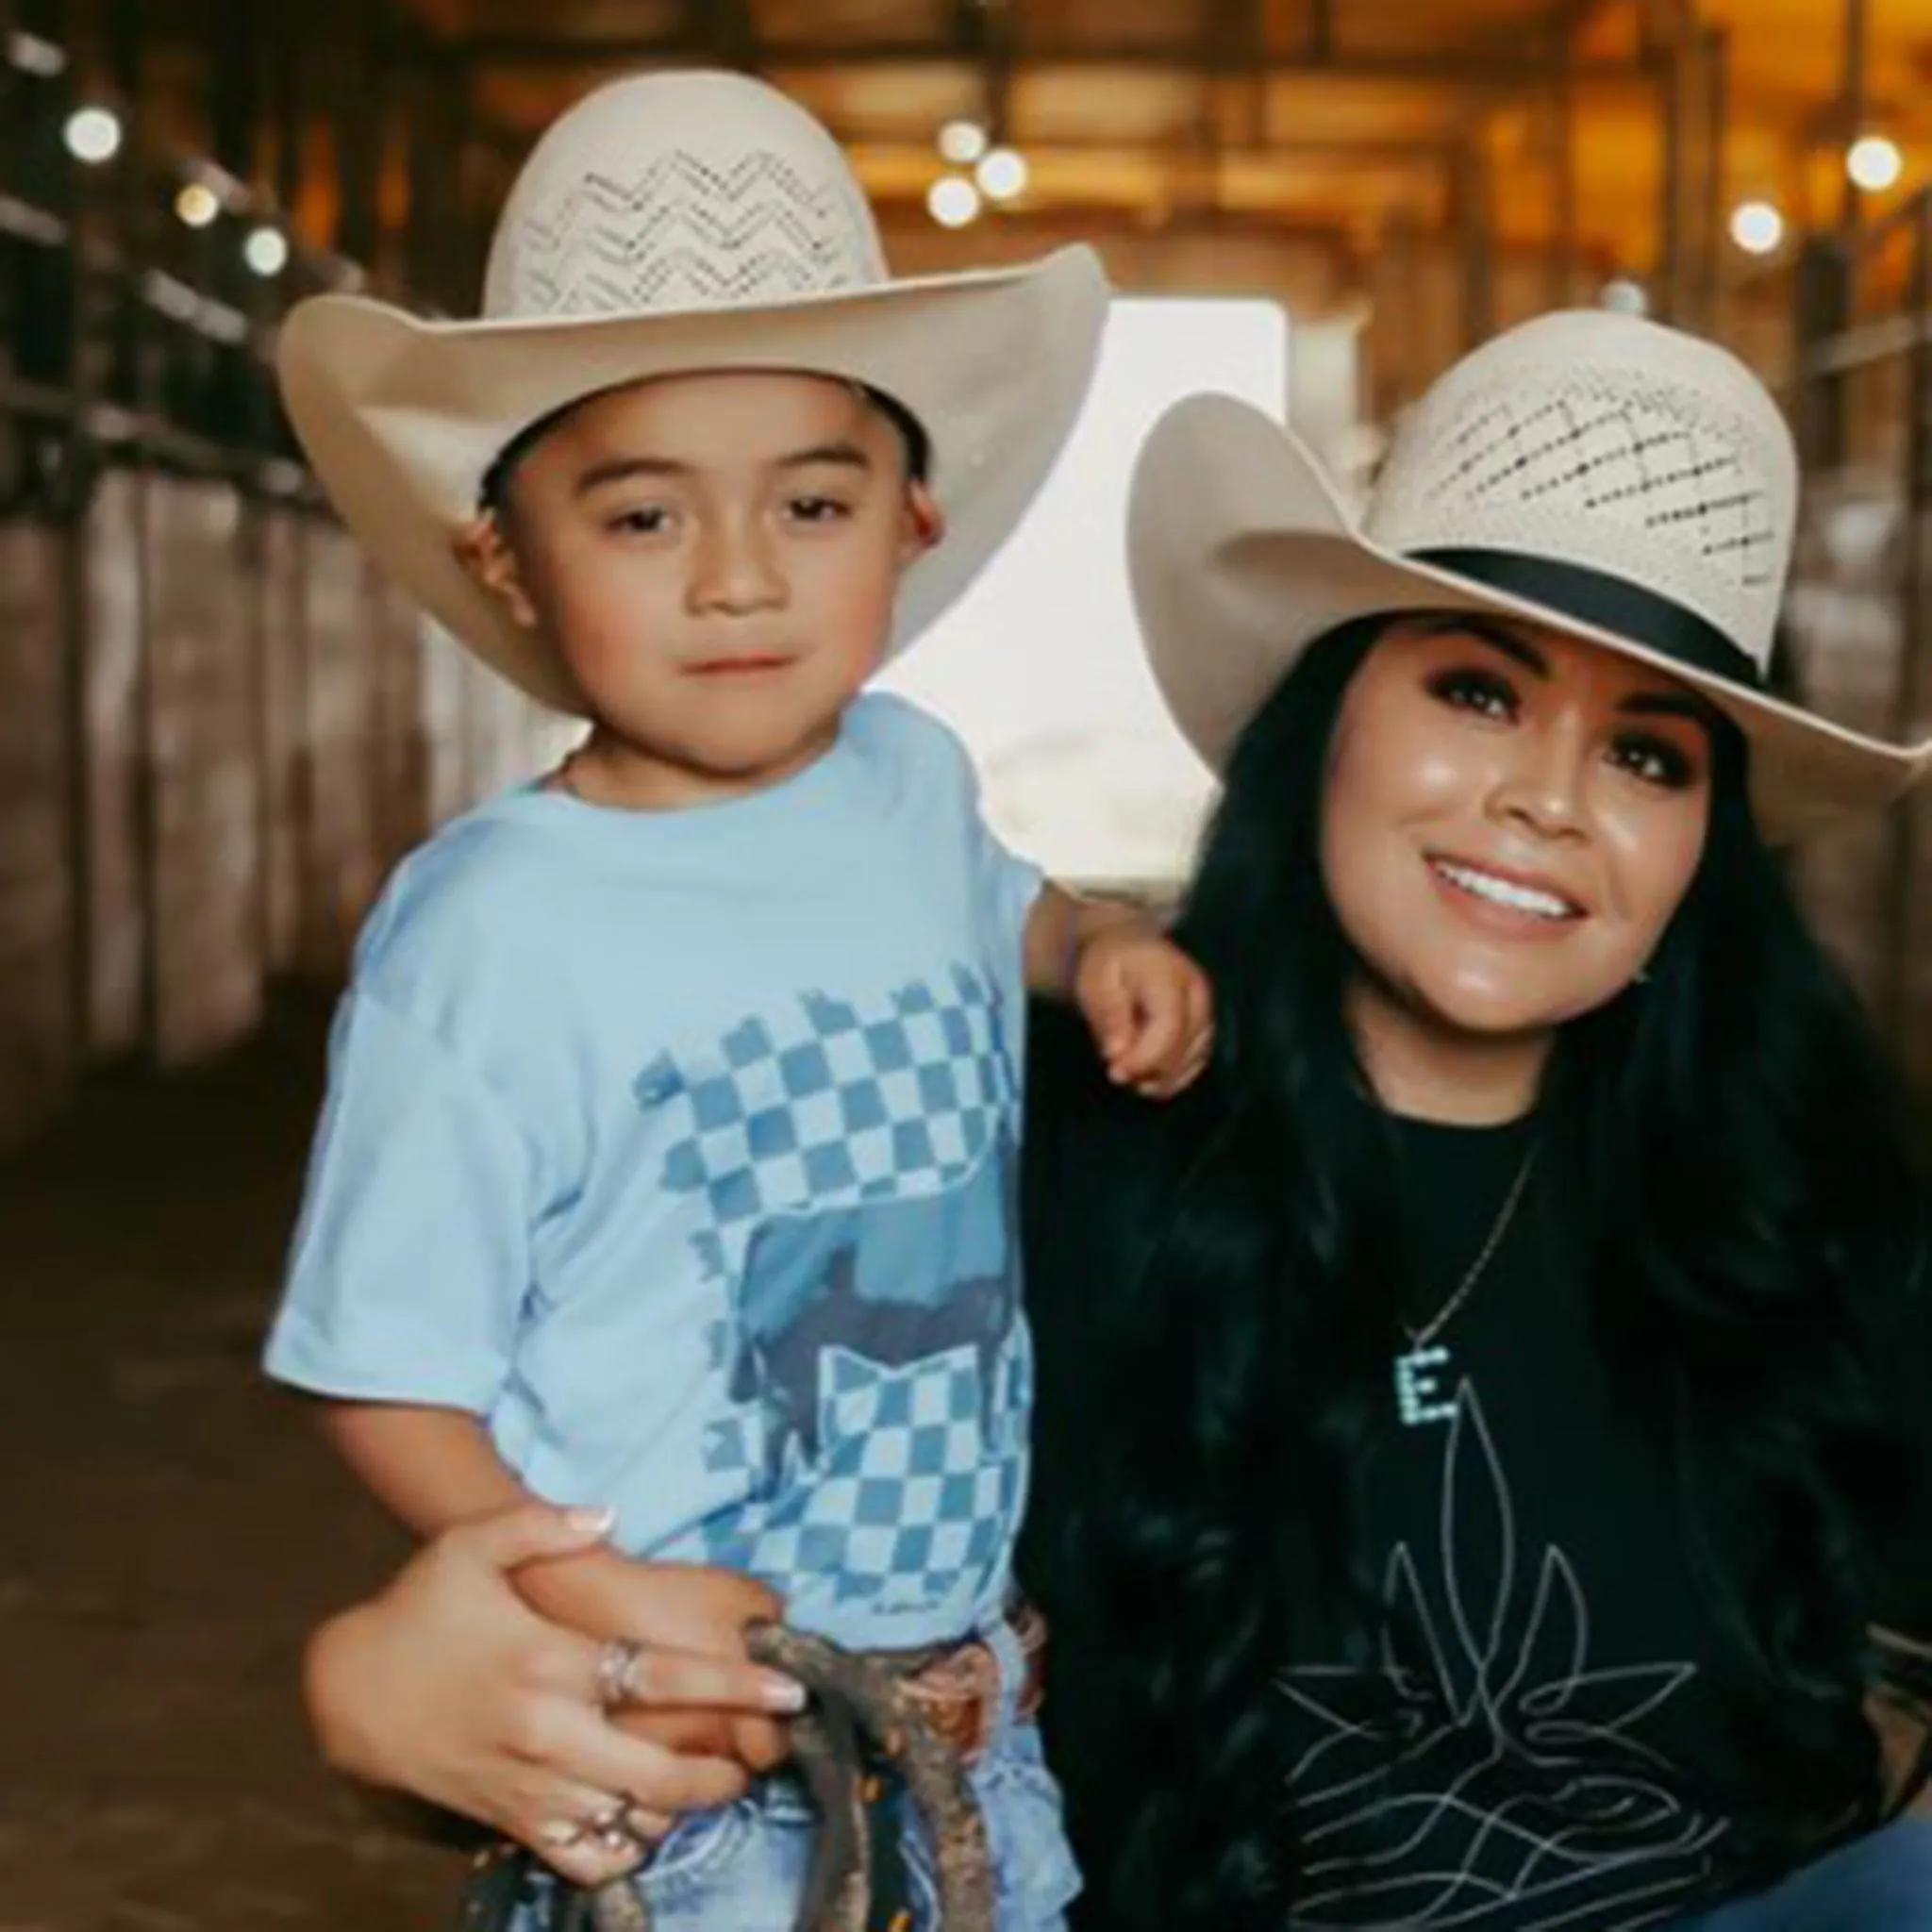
{"points": [[219, 728]]}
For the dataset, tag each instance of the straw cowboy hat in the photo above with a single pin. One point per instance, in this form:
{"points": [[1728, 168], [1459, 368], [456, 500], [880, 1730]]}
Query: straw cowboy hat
{"points": [[669, 224], [1626, 484]]}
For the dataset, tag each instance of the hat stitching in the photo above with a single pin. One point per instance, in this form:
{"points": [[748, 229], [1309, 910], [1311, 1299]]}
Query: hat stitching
{"points": [[604, 223]]}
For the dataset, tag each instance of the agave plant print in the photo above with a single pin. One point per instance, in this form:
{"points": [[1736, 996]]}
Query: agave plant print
{"points": [[1487, 1772]]}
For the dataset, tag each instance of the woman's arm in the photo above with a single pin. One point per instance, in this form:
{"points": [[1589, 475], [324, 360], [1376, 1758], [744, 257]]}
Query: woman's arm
{"points": [[435, 1469]]}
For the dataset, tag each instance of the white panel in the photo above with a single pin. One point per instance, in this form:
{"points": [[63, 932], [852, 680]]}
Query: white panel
{"points": [[1040, 667]]}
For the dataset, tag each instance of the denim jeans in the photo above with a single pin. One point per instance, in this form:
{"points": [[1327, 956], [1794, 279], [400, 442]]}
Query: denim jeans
{"points": [[1881, 1883], [743, 1869]]}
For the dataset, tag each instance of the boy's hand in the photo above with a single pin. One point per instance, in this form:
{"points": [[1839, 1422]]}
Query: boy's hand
{"points": [[1150, 1007], [672, 1611]]}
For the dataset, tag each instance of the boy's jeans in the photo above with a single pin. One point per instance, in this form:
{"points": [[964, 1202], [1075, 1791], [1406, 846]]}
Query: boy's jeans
{"points": [[744, 1869]]}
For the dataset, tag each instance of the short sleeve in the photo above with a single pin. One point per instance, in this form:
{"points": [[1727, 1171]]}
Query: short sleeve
{"points": [[411, 1257], [1007, 885], [1004, 885]]}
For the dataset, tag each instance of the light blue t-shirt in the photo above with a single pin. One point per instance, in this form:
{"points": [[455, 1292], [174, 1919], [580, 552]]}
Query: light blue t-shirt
{"points": [[682, 1148]]}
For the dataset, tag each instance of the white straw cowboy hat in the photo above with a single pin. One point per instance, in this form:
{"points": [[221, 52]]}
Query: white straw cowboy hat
{"points": [[1626, 484], [670, 224]]}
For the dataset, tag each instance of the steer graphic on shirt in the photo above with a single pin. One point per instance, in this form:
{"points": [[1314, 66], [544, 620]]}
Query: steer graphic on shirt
{"points": [[897, 1283]]}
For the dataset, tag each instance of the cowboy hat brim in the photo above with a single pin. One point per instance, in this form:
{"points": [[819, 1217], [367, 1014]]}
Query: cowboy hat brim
{"points": [[1242, 555], [402, 416]]}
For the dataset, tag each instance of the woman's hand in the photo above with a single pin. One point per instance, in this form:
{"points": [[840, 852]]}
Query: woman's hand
{"points": [[448, 1687], [672, 1611]]}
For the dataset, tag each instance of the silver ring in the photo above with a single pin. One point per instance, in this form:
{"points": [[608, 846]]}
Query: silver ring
{"points": [[608, 1830], [612, 1834], [615, 1663]]}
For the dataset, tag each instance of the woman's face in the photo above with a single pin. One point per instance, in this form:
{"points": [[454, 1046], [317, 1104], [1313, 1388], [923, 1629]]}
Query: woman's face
{"points": [[1510, 821]]}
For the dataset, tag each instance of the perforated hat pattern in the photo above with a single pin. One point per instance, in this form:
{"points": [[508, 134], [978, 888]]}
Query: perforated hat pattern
{"points": [[699, 221], [1650, 479]]}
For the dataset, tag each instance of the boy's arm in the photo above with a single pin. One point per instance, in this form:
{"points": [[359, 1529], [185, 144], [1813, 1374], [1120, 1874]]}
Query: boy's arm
{"points": [[1059, 927], [436, 1468], [431, 1467], [1149, 1005]]}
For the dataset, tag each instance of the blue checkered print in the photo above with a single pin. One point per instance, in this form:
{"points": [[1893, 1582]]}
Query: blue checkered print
{"points": [[906, 1500], [843, 1108], [909, 1492]]}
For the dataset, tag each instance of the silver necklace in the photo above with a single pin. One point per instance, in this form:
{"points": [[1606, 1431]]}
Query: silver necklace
{"points": [[1422, 1369]]}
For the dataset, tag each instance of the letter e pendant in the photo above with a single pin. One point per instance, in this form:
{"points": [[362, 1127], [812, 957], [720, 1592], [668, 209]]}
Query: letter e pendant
{"points": [[1419, 1377]]}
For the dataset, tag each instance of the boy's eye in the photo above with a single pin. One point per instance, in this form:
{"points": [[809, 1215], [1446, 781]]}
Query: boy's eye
{"points": [[1655, 760], [1482, 691], [817, 509], [645, 520]]}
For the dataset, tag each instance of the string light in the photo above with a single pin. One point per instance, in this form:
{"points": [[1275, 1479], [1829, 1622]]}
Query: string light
{"points": [[1756, 227], [198, 205], [1003, 174], [93, 135], [962, 143], [1874, 163], [266, 251], [953, 201]]}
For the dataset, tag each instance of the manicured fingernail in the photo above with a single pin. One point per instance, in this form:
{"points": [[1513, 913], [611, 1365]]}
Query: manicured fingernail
{"points": [[784, 1695], [595, 1521]]}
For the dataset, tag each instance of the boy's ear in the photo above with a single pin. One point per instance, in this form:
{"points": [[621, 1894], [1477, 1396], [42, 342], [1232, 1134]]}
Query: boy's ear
{"points": [[483, 550], [926, 523]]}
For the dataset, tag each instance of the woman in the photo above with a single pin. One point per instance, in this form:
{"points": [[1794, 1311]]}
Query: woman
{"points": [[1478, 1481]]}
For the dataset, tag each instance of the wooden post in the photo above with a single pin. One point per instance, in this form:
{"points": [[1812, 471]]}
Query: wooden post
{"points": [[1563, 223], [1852, 106], [1672, 94], [1470, 199], [1909, 693], [1716, 98]]}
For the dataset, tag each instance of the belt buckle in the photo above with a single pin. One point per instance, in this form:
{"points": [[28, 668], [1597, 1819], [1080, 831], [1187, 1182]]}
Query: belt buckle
{"points": [[959, 1692]]}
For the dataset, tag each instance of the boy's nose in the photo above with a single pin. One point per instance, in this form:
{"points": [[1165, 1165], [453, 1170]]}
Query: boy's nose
{"points": [[734, 571]]}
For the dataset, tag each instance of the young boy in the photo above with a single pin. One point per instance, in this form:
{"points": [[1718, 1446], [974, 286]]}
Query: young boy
{"points": [[668, 1157]]}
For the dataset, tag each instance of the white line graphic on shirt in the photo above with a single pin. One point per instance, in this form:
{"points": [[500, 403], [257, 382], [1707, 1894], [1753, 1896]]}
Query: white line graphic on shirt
{"points": [[1542, 1798]]}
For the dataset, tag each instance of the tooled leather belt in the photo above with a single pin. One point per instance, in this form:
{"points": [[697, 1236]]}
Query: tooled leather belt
{"points": [[924, 1716]]}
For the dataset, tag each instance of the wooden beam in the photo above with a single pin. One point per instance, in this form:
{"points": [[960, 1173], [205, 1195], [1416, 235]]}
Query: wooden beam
{"points": [[1424, 152], [1497, 68], [1555, 66]]}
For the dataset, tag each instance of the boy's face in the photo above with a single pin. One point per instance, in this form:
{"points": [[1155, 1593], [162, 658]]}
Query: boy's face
{"points": [[715, 559]]}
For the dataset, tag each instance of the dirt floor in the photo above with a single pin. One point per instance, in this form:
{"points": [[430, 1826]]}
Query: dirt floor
{"points": [[173, 1529]]}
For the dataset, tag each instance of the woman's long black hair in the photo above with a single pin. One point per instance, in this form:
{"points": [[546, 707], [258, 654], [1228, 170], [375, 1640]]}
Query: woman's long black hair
{"points": [[1217, 1305]]}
